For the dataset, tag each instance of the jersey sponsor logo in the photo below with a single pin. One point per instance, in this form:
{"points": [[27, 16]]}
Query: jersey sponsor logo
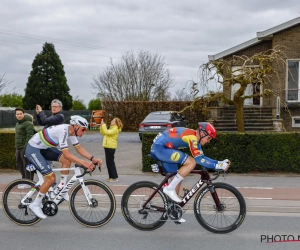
{"points": [[175, 156], [65, 136], [202, 160], [169, 145]]}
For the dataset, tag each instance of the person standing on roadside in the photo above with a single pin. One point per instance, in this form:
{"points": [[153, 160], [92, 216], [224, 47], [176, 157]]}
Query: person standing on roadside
{"points": [[24, 131], [110, 144], [56, 118]]}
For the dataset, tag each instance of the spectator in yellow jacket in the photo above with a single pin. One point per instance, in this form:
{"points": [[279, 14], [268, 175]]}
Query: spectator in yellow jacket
{"points": [[110, 143]]}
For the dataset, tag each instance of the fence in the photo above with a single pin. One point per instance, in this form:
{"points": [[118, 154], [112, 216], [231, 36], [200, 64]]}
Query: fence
{"points": [[8, 117]]}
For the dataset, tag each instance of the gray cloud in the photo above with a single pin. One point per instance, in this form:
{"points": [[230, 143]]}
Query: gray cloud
{"points": [[86, 34]]}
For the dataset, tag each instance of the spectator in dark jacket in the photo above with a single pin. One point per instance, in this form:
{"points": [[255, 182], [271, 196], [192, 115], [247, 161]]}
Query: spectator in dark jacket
{"points": [[56, 118], [24, 131]]}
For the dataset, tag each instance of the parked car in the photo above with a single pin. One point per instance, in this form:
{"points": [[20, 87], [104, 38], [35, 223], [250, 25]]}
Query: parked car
{"points": [[159, 121]]}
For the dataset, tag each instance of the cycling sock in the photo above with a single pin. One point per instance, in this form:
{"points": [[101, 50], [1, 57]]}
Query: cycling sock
{"points": [[63, 180], [38, 199], [177, 179]]}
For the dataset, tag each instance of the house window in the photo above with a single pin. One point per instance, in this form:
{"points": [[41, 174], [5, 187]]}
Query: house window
{"points": [[296, 121], [293, 81]]}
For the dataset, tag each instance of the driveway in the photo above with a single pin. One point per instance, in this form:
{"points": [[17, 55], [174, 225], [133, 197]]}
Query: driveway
{"points": [[128, 156]]}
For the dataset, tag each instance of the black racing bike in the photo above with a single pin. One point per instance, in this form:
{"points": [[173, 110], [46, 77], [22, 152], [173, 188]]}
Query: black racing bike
{"points": [[218, 207]]}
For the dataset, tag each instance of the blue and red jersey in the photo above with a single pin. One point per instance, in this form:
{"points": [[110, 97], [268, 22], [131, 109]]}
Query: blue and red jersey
{"points": [[178, 138]]}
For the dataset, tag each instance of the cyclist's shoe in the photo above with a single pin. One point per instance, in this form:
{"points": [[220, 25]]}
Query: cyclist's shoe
{"points": [[172, 194], [38, 211], [181, 220]]}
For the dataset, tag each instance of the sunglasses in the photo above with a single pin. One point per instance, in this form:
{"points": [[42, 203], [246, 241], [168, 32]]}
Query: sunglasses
{"points": [[208, 137], [83, 129]]}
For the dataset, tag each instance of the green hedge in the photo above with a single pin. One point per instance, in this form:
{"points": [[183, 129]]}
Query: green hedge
{"points": [[7, 149], [249, 152]]}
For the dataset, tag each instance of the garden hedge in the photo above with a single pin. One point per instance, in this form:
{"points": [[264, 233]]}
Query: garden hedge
{"points": [[7, 149]]}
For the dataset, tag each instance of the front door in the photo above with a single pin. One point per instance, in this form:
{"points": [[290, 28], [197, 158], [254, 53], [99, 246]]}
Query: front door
{"points": [[256, 90], [248, 91]]}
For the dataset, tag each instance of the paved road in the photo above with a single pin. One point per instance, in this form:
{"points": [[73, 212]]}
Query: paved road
{"points": [[64, 233]]}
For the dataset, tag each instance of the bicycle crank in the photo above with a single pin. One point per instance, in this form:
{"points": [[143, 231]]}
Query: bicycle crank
{"points": [[50, 208], [174, 212]]}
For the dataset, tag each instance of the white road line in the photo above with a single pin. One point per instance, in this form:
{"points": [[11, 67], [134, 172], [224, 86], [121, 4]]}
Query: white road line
{"points": [[257, 187], [256, 198]]}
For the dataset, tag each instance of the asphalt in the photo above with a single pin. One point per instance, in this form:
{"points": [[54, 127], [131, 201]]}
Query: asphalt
{"points": [[263, 193]]}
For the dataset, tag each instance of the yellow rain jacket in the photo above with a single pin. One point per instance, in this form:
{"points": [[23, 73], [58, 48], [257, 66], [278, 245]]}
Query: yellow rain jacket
{"points": [[110, 136]]}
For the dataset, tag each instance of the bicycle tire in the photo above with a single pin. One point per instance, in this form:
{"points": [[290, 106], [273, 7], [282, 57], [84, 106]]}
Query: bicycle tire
{"points": [[93, 216], [131, 202], [230, 218], [11, 199]]}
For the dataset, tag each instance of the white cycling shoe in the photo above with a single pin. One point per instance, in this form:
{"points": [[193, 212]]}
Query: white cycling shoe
{"points": [[38, 211], [181, 220], [172, 194]]}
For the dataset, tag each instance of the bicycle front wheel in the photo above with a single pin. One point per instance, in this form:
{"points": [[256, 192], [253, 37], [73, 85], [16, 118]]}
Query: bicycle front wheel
{"points": [[229, 217], [147, 218], [11, 202], [103, 205]]}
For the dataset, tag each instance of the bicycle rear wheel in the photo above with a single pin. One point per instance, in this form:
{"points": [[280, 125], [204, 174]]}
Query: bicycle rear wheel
{"points": [[11, 202], [133, 199], [233, 210], [103, 204]]}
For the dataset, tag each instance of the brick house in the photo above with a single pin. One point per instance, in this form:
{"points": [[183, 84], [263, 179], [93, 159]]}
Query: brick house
{"points": [[286, 84]]}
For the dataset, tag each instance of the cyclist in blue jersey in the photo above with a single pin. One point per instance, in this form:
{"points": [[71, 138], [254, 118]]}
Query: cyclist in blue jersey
{"points": [[166, 148]]}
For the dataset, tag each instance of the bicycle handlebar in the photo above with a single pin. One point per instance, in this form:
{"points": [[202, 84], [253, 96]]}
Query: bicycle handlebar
{"points": [[86, 170]]}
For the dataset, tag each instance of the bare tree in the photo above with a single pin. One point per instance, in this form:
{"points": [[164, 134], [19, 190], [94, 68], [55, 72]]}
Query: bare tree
{"points": [[257, 69], [3, 84], [141, 77], [187, 93]]}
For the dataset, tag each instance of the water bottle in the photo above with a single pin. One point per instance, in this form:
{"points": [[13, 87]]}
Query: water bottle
{"points": [[155, 168]]}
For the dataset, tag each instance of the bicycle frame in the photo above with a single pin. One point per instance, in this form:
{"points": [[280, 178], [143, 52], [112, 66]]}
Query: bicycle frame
{"points": [[205, 178], [59, 197]]}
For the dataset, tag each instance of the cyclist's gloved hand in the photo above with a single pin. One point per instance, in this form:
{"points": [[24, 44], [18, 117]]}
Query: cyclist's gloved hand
{"points": [[30, 167], [223, 165]]}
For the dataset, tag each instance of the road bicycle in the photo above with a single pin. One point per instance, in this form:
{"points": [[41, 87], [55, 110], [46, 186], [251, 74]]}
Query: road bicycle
{"points": [[218, 207], [92, 203]]}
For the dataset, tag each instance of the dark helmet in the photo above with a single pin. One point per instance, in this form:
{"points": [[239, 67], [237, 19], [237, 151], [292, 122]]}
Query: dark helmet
{"points": [[208, 129]]}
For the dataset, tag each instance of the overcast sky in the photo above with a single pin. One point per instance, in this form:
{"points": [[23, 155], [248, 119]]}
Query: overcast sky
{"points": [[87, 33]]}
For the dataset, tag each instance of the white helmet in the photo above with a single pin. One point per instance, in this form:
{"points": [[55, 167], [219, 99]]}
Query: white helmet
{"points": [[78, 120]]}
